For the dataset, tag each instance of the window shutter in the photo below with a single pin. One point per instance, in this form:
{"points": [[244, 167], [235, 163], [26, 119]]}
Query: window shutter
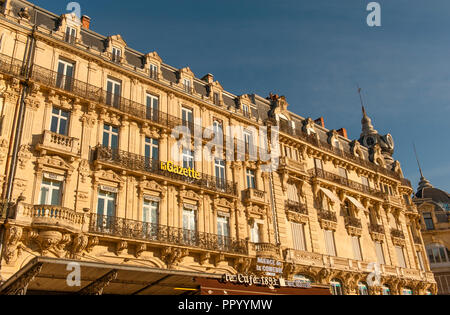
{"points": [[400, 256], [329, 242], [380, 254], [298, 236], [356, 248]]}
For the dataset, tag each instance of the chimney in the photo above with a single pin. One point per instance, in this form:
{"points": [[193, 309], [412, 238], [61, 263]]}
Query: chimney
{"points": [[208, 78], [320, 121], [86, 21], [343, 132]]}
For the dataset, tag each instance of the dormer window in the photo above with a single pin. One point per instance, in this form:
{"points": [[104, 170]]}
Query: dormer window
{"points": [[216, 99], [71, 35], [116, 54], [246, 110], [153, 71], [187, 85]]}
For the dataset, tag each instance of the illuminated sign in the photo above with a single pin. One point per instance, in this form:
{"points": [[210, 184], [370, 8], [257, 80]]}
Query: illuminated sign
{"points": [[272, 282], [174, 169]]}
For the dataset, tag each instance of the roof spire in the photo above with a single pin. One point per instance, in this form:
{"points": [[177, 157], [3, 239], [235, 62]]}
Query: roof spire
{"points": [[424, 183], [367, 127]]}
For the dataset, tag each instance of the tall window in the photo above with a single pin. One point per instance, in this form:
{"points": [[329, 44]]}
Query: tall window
{"points": [[292, 193], [51, 192], [216, 99], [152, 107], [113, 92], [151, 149], [420, 259], [362, 289], [150, 216], [217, 127], [255, 236], [60, 121], [187, 117], [329, 242], [336, 287], [153, 71], [365, 181], [356, 248], [188, 159], [248, 142], [380, 253], [187, 85], [400, 256], [71, 35], [428, 220], [251, 179], [220, 173], [298, 236], [246, 110], [64, 79], [110, 136], [318, 164], [106, 209], [189, 226], [343, 173], [116, 54], [223, 230]]}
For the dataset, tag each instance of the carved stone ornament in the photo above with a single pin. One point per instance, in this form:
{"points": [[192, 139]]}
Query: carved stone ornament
{"points": [[12, 250], [173, 256]]}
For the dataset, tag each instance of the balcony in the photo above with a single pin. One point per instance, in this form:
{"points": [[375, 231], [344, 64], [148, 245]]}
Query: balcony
{"points": [[345, 182], [292, 165], [11, 66], [328, 219], [394, 201], [397, 233], [252, 195], [298, 133], [132, 162], [57, 143], [160, 234], [296, 207], [266, 250], [377, 232]]}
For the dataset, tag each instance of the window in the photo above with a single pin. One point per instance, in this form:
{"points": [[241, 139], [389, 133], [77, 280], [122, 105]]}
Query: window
{"points": [[187, 85], [220, 173], [188, 159], [116, 54], [298, 236], [71, 35], [64, 78], [216, 99], [287, 151], [248, 142], [217, 127], [407, 291], [187, 116], [386, 290], [151, 149], [110, 136], [336, 287], [343, 172], [255, 233], [60, 121], [292, 193], [437, 254], [189, 226], [51, 192], [153, 71], [150, 217], [106, 209], [318, 164], [362, 288], [113, 92], [329, 242], [347, 209], [246, 110], [400, 256], [223, 230], [152, 107], [428, 220], [380, 253], [251, 179], [356, 248], [420, 259]]}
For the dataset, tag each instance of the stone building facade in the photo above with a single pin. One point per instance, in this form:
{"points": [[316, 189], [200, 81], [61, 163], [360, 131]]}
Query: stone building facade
{"points": [[86, 136]]}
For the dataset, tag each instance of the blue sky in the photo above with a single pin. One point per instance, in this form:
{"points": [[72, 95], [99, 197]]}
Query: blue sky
{"points": [[315, 53]]}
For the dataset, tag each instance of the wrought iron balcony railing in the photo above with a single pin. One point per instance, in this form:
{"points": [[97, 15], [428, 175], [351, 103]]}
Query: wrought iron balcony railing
{"points": [[296, 207], [12, 66], [345, 182], [297, 132], [140, 163], [353, 222], [327, 215], [376, 228], [138, 230], [397, 233]]}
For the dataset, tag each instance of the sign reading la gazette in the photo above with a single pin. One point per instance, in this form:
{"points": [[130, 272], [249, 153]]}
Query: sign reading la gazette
{"points": [[170, 167]]}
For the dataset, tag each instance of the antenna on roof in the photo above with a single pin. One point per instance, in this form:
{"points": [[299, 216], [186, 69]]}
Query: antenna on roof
{"points": [[417, 158]]}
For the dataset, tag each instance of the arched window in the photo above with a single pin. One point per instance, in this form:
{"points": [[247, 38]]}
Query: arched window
{"points": [[407, 291], [362, 288], [386, 290], [336, 287], [303, 278]]}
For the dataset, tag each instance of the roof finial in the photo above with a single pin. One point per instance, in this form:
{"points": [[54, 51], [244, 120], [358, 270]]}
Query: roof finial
{"points": [[424, 183], [367, 127], [417, 158], [362, 102]]}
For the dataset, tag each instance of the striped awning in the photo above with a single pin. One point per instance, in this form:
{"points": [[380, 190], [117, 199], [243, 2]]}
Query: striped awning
{"points": [[330, 195], [357, 204]]}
